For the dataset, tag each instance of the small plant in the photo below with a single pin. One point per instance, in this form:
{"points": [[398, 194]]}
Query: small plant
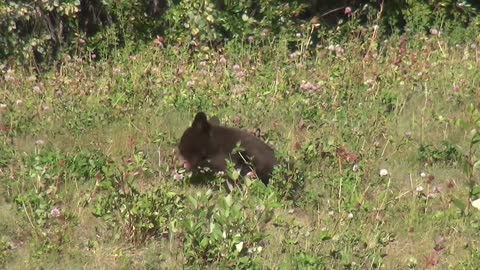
{"points": [[288, 180], [6, 153], [315, 149], [448, 153], [42, 179], [471, 162], [4, 248], [39, 191], [472, 125], [390, 101], [302, 260], [137, 216], [226, 231]]}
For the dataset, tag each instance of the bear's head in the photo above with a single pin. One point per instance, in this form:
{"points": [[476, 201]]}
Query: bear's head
{"points": [[194, 143]]}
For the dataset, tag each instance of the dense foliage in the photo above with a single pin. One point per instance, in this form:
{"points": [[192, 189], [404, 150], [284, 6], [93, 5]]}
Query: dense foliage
{"points": [[37, 31]]}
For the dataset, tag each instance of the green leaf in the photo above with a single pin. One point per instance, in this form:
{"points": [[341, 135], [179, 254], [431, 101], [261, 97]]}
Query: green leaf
{"points": [[466, 167], [171, 194], [476, 190], [229, 185], [459, 204], [229, 200], [471, 108], [234, 174], [475, 139], [325, 235], [193, 201], [208, 193], [204, 243], [331, 141], [346, 258], [461, 124], [248, 182], [239, 246], [476, 165], [217, 234]]}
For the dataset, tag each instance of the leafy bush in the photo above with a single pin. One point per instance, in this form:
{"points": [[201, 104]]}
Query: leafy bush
{"points": [[136, 216], [40, 30], [302, 260], [4, 252], [288, 180], [448, 153], [213, 23], [458, 19], [6, 153], [41, 179], [226, 231], [36, 29], [42, 189]]}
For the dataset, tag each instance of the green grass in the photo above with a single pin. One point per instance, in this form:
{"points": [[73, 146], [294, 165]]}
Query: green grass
{"points": [[106, 160]]}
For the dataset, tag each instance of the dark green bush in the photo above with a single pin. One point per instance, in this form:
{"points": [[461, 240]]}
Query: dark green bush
{"points": [[40, 30], [36, 29]]}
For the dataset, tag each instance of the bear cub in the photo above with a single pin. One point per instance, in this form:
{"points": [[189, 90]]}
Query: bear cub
{"points": [[208, 144]]}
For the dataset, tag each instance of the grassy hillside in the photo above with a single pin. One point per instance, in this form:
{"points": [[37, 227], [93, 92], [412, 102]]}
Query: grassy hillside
{"points": [[383, 139]]}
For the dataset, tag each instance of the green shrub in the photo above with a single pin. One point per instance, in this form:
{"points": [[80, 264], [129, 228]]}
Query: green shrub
{"points": [[137, 216], [6, 152], [208, 23], [456, 19], [42, 179], [36, 29], [226, 231], [39, 31], [447, 153]]}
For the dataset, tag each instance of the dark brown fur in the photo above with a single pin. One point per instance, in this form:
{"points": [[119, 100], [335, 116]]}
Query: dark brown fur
{"points": [[207, 144]]}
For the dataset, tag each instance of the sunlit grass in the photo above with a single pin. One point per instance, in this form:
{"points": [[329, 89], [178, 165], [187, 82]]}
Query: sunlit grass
{"points": [[343, 115]]}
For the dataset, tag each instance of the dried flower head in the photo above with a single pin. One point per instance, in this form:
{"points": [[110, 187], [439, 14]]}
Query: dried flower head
{"points": [[55, 212]]}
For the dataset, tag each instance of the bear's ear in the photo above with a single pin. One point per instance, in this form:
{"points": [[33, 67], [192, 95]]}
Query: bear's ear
{"points": [[257, 133], [214, 121], [200, 122]]}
